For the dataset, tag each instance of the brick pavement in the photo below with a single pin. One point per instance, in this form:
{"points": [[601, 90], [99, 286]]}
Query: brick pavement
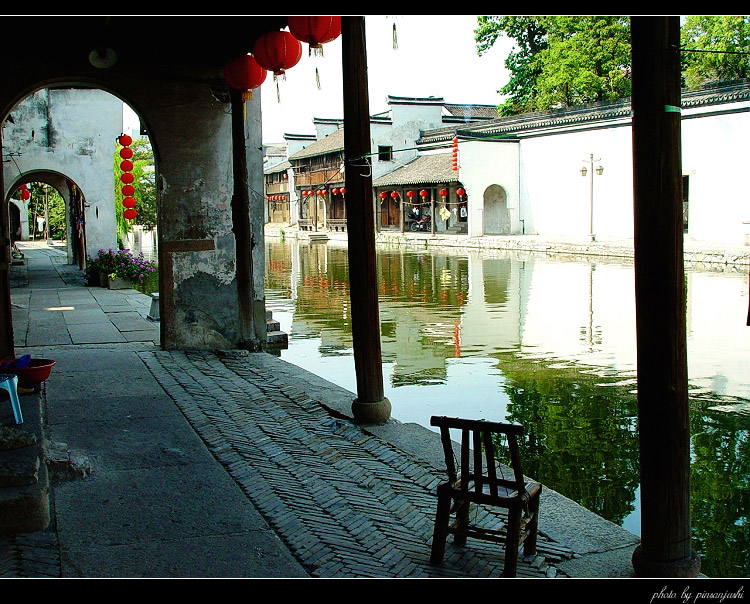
{"points": [[345, 502]]}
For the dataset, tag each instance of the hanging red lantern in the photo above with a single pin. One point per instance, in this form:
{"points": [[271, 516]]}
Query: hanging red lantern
{"points": [[128, 190], [130, 214], [25, 194], [423, 193], [343, 191], [277, 51], [126, 153], [21, 187], [410, 194], [394, 195], [443, 192], [127, 178], [243, 73], [125, 140], [460, 192], [126, 165], [335, 191], [383, 195], [128, 202], [316, 30]]}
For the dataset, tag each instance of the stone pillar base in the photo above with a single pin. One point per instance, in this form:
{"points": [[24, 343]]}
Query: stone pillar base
{"points": [[671, 569], [371, 413]]}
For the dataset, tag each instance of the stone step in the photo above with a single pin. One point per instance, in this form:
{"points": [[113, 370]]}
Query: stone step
{"points": [[25, 508], [273, 325], [277, 338]]}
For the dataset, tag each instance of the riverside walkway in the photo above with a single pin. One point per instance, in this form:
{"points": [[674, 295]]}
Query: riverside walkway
{"points": [[233, 464]]}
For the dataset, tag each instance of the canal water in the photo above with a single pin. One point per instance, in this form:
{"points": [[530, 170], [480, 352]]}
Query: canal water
{"points": [[548, 342]]}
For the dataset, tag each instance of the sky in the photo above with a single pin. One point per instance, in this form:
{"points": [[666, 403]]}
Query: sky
{"points": [[436, 56]]}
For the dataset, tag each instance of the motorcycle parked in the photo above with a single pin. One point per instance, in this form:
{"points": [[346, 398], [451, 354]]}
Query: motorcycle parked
{"points": [[420, 224]]}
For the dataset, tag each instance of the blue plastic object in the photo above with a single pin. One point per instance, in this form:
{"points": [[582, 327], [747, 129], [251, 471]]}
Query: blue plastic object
{"points": [[10, 383]]}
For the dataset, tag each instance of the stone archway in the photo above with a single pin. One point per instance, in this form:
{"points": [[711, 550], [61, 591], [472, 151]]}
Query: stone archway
{"points": [[496, 214]]}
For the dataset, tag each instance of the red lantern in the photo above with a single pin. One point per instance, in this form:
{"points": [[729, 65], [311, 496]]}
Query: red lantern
{"points": [[383, 195], [277, 51], [394, 195], [410, 194], [343, 191], [21, 187], [126, 165], [126, 153], [443, 192], [127, 178], [128, 190], [125, 140], [316, 30], [335, 191], [460, 192], [130, 214], [128, 202], [423, 193], [243, 73], [25, 194]]}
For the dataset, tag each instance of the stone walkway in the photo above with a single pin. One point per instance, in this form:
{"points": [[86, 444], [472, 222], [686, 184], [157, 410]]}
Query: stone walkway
{"points": [[189, 457]]}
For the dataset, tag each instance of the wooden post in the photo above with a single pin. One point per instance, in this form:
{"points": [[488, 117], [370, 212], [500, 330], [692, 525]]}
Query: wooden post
{"points": [[663, 414], [241, 225], [7, 347], [370, 406]]}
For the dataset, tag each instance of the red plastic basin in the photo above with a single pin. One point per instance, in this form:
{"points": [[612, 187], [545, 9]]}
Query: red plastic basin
{"points": [[37, 371]]}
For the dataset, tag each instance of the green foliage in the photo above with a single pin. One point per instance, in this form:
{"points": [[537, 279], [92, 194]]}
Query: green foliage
{"points": [[145, 188], [42, 194], [715, 49]]}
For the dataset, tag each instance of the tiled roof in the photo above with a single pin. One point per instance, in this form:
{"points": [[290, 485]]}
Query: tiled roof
{"points": [[426, 169], [472, 112], [330, 144], [281, 167]]}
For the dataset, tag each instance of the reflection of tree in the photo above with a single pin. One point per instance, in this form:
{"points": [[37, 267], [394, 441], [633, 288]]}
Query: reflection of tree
{"points": [[579, 438], [720, 490]]}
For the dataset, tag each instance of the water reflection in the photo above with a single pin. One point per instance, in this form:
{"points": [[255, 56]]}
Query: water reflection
{"points": [[546, 342]]}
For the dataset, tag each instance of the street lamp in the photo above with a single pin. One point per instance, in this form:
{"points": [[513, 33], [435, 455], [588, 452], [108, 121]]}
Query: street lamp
{"points": [[584, 171]]}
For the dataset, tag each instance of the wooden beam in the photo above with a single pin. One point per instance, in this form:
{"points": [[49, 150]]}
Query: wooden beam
{"points": [[370, 406], [663, 413]]}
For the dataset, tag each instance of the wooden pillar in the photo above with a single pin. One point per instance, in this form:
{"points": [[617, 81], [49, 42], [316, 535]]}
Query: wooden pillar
{"points": [[663, 413], [7, 348], [241, 225], [370, 406]]}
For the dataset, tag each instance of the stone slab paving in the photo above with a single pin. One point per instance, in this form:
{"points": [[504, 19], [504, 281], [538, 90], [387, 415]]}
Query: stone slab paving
{"points": [[345, 502]]}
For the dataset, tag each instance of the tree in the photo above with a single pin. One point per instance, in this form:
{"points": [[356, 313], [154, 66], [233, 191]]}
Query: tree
{"points": [[560, 61], [530, 37], [715, 48]]}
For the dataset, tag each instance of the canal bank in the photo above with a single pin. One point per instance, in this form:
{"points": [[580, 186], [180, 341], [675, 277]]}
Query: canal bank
{"points": [[696, 252], [224, 463]]}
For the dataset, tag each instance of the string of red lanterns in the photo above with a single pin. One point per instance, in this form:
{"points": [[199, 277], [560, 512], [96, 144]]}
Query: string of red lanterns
{"points": [[455, 154], [127, 178]]}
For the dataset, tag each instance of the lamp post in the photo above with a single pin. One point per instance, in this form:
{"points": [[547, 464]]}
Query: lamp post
{"points": [[584, 171]]}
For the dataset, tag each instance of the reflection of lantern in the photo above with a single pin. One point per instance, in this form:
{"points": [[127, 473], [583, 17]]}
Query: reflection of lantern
{"points": [[128, 202], [316, 30], [277, 51], [460, 192], [128, 190], [126, 153], [130, 214], [125, 140], [127, 178], [243, 73]]}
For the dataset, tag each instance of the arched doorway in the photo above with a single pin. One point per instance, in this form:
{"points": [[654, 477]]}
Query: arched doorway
{"points": [[496, 214]]}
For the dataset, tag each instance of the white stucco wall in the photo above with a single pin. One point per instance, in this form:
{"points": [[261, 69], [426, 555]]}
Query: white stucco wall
{"points": [[71, 132], [556, 199], [714, 157]]}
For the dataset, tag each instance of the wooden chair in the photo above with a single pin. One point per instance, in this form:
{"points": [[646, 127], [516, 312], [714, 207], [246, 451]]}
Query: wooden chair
{"points": [[479, 483]]}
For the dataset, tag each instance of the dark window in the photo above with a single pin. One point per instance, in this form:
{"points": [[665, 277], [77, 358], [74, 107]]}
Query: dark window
{"points": [[385, 153]]}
